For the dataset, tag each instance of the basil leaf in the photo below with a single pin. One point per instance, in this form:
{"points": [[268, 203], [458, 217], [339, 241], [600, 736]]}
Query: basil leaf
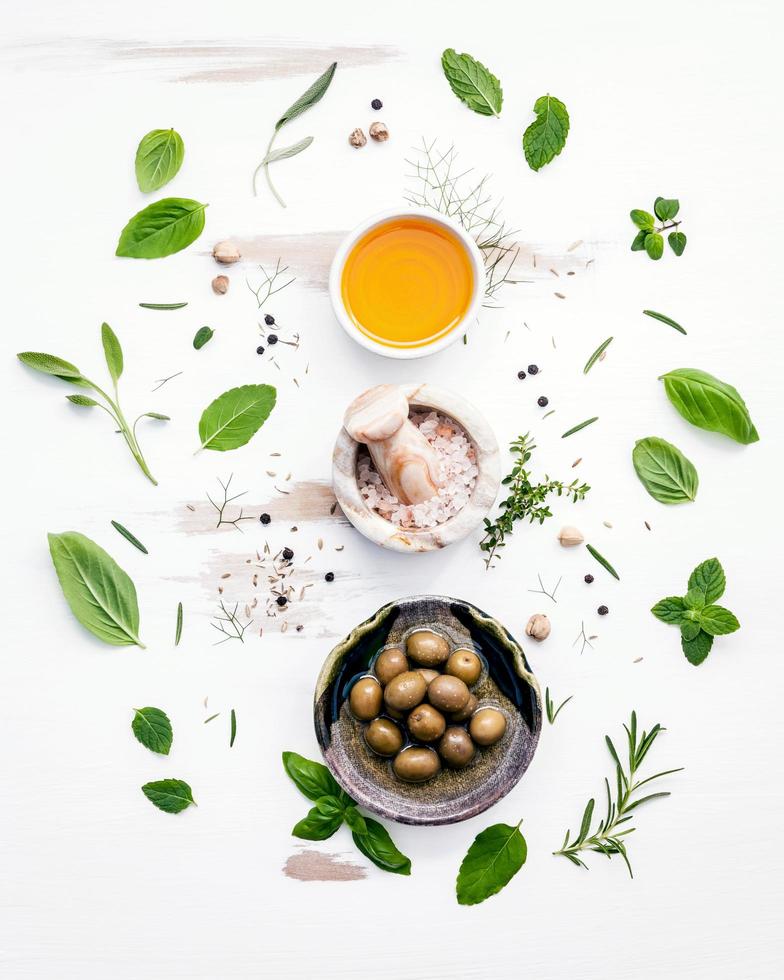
{"points": [[677, 242], [643, 219], [638, 242], [162, 228], [494, 858], [654, 246], [698, 648], [287, 151], [472, 83], [545, 137], [100, 594], [311, 778], [710, 404], [377, 845], [235, 417], [664, 471], [49, 364], [670, 610], [158, 158], [169, 795], [718, 621], [203, 336], [689, 629], [317, 825], [666, 208], [152, 728], [309, 98], [355, 820], [112, 352], [709, 576], [694, 599], [331, 806]]}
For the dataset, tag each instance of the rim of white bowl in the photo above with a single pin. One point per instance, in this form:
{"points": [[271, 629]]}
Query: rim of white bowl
{"points": [[336, 275]]}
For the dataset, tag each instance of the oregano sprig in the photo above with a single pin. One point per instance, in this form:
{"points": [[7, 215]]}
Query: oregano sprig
{"points": [[650, 236]]}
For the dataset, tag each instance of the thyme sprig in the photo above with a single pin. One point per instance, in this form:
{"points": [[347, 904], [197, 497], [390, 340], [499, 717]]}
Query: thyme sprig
{"points": [[526, 500], [608, 837]]}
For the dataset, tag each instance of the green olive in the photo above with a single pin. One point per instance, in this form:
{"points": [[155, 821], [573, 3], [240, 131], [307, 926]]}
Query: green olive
{"points": [[389, 664], [456, 748], [416, 764], [487, 726], [405, 691], [425, 723], [365, 698], [428, 674], [427, 648], [448, 693], [466, 665], [465, 713], [384, 736]]}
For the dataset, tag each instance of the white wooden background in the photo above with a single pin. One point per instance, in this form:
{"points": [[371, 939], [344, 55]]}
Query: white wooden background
{"points": [[678, 99]]}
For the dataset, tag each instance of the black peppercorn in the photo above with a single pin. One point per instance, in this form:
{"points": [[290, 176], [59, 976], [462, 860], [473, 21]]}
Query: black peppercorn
{"points": [[329, 577], [265, 518], [588, 578], [533, 369], [272, 339], [281, 600], [269, 319], [541, 401], [288, 554], [602, 610], [259, 350], [521, 375], [376, 104]]}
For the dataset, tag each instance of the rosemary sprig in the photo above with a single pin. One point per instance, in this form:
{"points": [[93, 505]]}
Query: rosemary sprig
{"points": [[552, 711], [162, 306], [526, 500], [597, 354], [580, 425], [602, 561], [129, 537], [608, 836], [665, 319], [178, 628], [233, 733]]}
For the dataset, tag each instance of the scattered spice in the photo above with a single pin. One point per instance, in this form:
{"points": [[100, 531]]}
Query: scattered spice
{"points": [[521, 375], [259, 349], [588, 578], [570, 536], [542, 401], [226, 253], [329, 577], [538, 627], [376, 104], [272, 339], [533, 369], [357, 137], [265, 519], [281, 600], [379, 132], [602, 610], [288, 554], [220, 285]]}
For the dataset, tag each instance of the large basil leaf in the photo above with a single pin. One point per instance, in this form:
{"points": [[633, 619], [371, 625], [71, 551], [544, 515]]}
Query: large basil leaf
{"points": [[710, 404], [158, 158], [235, 417], [162, 228], [698, 648], [317, 825], [472, 83], [494, 858], [100, 594], [152, 728], [169, 795], [311, 778], [112, 351], [309, 98], [709, 576], [546, 136], [377, 845], [664, 471]]}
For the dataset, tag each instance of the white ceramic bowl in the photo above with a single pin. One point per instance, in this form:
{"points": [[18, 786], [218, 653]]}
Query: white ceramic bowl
{"points": [[406, 353], [389, 535]]}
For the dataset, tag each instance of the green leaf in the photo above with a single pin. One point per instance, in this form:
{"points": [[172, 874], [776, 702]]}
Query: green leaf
{"points": [[643, 219], [709, 576], [710, 404], [638, 242], [494, 858], [129, 537], [665, 319], [670, 610], [162, 228], [82, 400], [332, 806], [664, 471], [666, 208], [112, 352], [698, 648], [49, 364], [377, 845], [202, 337], [472, 83], [355, 820], [311, 778], [235, 417], [100, 594], [654, 246], [169, 795], [602, 561], [597, 354], [546, 136], [287, 151], [317, 825], [689, 629], [694, 599], [677, 242], [152, 728], [309, 98], [158, 158], [718, 621], [178, 627]]}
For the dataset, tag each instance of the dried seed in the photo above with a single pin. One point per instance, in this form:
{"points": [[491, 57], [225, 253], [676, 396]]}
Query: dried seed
{"points": [[560, 295], [575, 245]]}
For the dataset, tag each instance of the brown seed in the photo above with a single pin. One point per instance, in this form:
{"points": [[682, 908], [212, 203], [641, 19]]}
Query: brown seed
{"points": [[365, 698], [389, 664], [416, 764], [426, 724], [427, 648], [220, 285], [465, 713], [487, 726], [379, 132], [405, 691], [384, 737], [456, 748], [226, 253], [448, 693], [466, 665], [357, 137]]}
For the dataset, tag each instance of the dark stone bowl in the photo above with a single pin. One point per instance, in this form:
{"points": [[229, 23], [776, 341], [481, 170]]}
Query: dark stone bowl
{"points": [[506, 681]]}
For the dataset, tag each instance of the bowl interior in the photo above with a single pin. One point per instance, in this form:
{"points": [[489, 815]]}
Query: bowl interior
{"points": [[506, 682]]}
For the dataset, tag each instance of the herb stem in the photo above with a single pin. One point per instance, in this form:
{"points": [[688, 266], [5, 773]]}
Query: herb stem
{"points": [[125, 430], [265, 167]]}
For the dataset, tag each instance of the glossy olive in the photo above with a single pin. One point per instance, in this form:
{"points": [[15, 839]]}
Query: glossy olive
{"points": [[456, 748], [465, 712], [384, 737], [416, 764], [448, 693], [487, 726], [428, 674], [405, 691], [466, 665], [389, 664], [365, 698], [425, 723], [427, 648]]}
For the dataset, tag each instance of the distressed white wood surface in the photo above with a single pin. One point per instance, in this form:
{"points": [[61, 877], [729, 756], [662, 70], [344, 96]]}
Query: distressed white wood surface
{"points": [[677, 100]]}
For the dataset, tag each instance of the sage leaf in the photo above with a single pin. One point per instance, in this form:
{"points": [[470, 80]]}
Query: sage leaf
{"points": [[235, 417], [49, 364], [309, 98], [169, 795], [152, 728], [709, 576], [112, 352], [677, 242], [666, 208], [654, 246], [494, 858], [472, 83], [82, 400], [689, 629], [698, 648], [710, 404], [203, 336], [317, 825], [158, 158], [311, 778], [664, 471], [670, 610], [162, 228], [546, 136], [99, 592], [377, 845], [718, 621], [638, 242], [643, 219], [287, 151]]}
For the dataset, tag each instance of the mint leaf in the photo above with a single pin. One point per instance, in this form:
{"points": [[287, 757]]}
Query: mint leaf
{"points": [[638, 243], [666, 208], [654, 246], [670, 610], [494, 858], [546, 136], [472, 83], [643, 219], [317, 825], [718, 621], [689, 629], [709, 576], [377, 845], [169, 795], [677, 242], [698, 648], [311, 778], [152, 728], [694, 599]]}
